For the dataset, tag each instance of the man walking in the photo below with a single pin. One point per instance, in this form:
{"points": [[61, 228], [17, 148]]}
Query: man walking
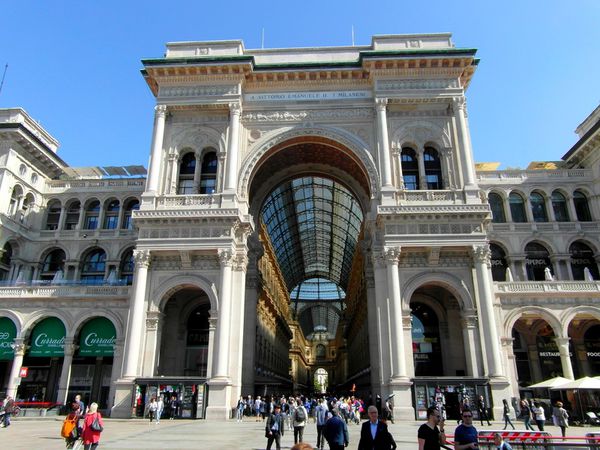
{"points": [[374, 434], [336, 432], [431, 434], [299, 416], [321, 413], [465, 435], [274, 428], [483, 410]]}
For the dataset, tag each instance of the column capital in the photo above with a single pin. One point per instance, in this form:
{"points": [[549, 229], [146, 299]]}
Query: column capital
{"points": [[240, 261], [460, 104], [160, 110], [562, 341], [152, 320], [235, 108], [391, 254], [226, 257], [381, 104], [19, 347], [142, 258], [482, 254]]}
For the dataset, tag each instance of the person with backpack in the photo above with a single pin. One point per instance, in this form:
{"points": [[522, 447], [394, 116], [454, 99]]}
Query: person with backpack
{"points": [[299, 419], [70, 430], [321, 416], [92, 427]]}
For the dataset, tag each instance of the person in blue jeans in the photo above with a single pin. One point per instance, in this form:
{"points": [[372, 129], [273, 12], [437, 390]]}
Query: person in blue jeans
{"points": [[526, 414]]}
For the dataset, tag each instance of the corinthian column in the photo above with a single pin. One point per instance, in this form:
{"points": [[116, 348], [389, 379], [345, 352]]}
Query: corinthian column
{"points": [[160, 113], [397, 329], [136, 318], [384, 145], [235, 110], [14, 380], [466, 152], [481, 260], [65, 373], [223, 326]]}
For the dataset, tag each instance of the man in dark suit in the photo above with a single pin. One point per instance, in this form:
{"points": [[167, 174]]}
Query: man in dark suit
{"points": [[274, 428], [336, 432], [374, 434]]}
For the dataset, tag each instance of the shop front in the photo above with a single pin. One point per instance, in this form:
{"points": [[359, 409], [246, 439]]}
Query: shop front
{"points": [[92, 365], [8, 333], [449, 393], [44, 362], [184, 398]]}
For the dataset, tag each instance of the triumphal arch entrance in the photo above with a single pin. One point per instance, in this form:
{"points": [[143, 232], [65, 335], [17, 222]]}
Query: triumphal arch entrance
{"points": [[311, 221]]}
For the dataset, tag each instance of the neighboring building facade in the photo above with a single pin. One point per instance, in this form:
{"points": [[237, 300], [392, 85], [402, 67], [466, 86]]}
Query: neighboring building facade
{"points": [[311, 219]]}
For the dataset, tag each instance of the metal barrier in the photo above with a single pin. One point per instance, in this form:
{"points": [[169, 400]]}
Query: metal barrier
{"points": [[538, 440]]}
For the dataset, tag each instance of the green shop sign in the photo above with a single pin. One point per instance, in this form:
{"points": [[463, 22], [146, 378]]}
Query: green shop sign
{"points": [[97, 338], [8, 333], [48, 338]]}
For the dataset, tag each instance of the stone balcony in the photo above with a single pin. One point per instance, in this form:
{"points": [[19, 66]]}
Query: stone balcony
{"points": [[546, 293], [35, 291], [516, 177]]}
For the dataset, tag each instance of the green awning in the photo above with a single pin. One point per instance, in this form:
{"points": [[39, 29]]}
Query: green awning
{"points": [[8, 333], [48, 338], [97, 338]]}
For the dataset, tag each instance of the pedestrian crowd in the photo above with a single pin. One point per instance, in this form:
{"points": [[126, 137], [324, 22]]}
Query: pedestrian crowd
{"points": [[82, 425]]}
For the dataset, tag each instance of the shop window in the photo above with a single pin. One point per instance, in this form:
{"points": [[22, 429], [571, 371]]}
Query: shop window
{"points": [[94, 266], [53, 262], [497, 207], [187, 168], [208, 173], [538, 207], [410, 169], [559, 206], [427, 352], [433, 168], [92, 214], [517, 207], [111, 215], [53, 215], [582, 208], [583, 264]]}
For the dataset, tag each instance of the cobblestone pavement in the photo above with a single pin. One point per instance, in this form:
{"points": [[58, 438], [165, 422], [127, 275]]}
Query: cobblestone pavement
{"points": [[44, 434]]}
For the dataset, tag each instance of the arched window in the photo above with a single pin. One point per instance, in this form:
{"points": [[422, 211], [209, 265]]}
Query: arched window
{"points": [[559, 206], [538, 207], [5, 260], [582, 258], [53, 215], [127, 267], [28, 203], [130, 206], [433, 168], [321, 351], [208, 173], [537, 259], [517, 207], [187, 168], [92, 213], [111, 215], [410, 169], [499, 264], [94, 265], [497, 207], [53, 262], [582, 208], [73, 211], [15, 197]]}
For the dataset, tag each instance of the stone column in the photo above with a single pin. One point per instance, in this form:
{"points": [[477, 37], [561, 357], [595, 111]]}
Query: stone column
{"points": [[511, 369], [235, 111], [152, 344], [395, 301], [116, 370], [14, 379], [481, 260], [397, 155], [470, 338], [160, 114], [466, 152], [421, 164], [65, 373], [212, 326], [384, 146], [224, 322], [565, 357], [174, 168], [136, 318]]}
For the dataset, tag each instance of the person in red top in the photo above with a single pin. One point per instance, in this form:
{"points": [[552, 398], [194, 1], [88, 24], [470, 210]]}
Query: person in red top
{"points": [[91, 437]]}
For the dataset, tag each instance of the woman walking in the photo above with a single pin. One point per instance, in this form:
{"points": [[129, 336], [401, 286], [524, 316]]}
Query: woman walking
{"points": [[561, 418], [92, 427], [526, 414], [506, 415], [540, 415]]}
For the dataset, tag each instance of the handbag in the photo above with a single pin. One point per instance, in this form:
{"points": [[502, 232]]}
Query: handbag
{"points": [[95, 426]]}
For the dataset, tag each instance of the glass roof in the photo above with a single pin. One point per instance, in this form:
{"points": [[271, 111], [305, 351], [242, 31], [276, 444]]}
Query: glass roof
{"points": [[314, 224]]}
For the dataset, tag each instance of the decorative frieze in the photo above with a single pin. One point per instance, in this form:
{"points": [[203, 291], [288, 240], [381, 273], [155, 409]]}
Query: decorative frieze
{"points": [[308, 115], [182, 232], [198, 91], [411, 84], [432, 228]]}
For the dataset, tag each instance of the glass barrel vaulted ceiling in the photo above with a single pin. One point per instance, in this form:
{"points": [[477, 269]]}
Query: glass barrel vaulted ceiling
{"points": [[314, 224]]}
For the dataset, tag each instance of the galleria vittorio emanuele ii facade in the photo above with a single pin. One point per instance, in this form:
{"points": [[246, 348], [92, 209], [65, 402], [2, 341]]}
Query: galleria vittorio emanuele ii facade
{"points": [[308, 216]]}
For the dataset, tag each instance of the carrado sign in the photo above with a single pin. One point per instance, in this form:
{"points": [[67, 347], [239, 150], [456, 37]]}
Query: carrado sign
{"points": [[97, 338]]}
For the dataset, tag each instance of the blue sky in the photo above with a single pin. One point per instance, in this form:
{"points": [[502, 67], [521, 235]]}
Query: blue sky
{"points": [[74, 65]]}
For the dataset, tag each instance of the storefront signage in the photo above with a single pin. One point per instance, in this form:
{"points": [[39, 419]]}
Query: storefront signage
{"points": [[307, 96], [48, 338], [97, 338], [23, 372], [8, 332]]}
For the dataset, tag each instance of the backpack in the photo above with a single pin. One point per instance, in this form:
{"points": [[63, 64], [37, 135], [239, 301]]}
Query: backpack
{"points": [[300, 415], [68, 426]]}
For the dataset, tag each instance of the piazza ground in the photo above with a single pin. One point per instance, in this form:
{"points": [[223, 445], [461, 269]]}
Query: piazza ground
{"points": [[44, 434]]}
